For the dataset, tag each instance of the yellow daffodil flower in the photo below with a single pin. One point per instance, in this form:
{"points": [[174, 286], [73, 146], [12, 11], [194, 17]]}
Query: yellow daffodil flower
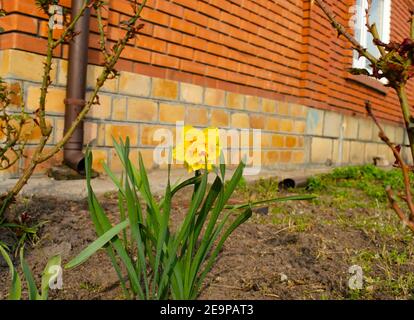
{"points": [[198, 148]]}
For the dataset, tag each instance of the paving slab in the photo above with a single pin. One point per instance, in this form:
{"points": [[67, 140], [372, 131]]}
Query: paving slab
{"points": [[43, 186]]}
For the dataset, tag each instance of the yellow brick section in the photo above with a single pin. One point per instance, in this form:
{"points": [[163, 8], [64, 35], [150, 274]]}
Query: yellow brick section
{"points": [[54, 100], [298, 111], [269, 106], [191, 93], [101, 134], [285, 156], [62, 74], [283, 108], [219, 118], [235, 100], [121, 132], [271, 158], [31, 131], [214, 97], [24, 65], [101, 110], [240, 120], [300, 126], [14, 169], [59, 129], [160, 101], [171, 113], [94, 73], [291, 141], [148, 134], [15, 93], [272, 124], [278, 141], [298, 157], [119, 109], [165, 89], [321, 150], [134, 84], [197, 116], [266, 141], [90, 132], [44, 166], [257, 121], [142, 110], [252, 103], [100, 156], [147, 157], [286, 125]]}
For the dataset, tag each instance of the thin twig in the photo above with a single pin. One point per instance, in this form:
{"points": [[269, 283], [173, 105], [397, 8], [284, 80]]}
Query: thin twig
{"points": [[108, 72], [372, 28], [342, 31], [405, 171]]}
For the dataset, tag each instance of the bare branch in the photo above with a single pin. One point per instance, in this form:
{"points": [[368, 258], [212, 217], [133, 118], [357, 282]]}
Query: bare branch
{"points": [[342, 31], [108, 72], [404, 168], [372, 29], [396, 207]]}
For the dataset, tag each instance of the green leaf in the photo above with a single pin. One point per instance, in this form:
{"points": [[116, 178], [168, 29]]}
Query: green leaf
{"points": [[186, 183], [31, 284], [102, 224], [50, 272], [223, 198], [97, 244], [215, 190], [163, 232], [21, 227], [15, 292], [183, 232], [262, 202], [133, 207], [146, 193], [222, 166], [114, 179]]}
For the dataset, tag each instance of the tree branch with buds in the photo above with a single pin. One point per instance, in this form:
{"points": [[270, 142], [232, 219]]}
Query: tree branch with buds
{"points": [[111, 57], [395, 63], [405, 169]]}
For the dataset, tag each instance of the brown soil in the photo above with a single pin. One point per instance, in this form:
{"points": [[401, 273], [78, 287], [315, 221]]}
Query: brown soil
{"points": [[261, 260]]}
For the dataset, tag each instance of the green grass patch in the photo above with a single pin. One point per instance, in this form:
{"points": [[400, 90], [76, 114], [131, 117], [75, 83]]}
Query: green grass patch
{"points": [[368, 178]]}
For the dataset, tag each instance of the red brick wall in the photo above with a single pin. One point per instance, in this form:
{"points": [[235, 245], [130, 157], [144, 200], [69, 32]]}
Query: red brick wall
{"points": [[282, 49]]}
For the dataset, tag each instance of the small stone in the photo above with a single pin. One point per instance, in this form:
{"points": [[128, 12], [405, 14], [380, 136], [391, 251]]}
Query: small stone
{"points": [[283, 277]]}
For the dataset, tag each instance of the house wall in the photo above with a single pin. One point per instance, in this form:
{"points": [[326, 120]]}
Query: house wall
{"points": [[271, 65]]}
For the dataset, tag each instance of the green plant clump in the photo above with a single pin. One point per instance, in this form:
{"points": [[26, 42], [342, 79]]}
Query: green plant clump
{"points": [[162, 263], [367, 178]]}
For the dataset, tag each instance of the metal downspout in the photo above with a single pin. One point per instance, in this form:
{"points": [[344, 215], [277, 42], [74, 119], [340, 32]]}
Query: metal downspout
{"points": [[76, 88]]}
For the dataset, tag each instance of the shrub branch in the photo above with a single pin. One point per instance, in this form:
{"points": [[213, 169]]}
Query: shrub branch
{"points": [[108, 72], [395, 65]]}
